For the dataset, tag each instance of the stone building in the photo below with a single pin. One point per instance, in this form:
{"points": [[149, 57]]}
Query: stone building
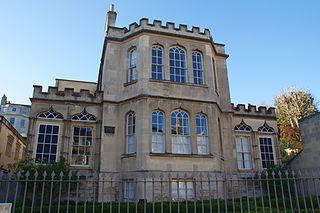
{"points": [[16, 114], [161, 103], [12, 144], [308, 158]]}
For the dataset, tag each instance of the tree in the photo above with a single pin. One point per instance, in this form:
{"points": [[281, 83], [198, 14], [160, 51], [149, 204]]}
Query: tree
{"points": [[291, 106]]}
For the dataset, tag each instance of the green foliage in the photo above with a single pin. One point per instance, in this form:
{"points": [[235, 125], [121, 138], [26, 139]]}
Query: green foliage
{"points": [[291, 106], [56, 167]]}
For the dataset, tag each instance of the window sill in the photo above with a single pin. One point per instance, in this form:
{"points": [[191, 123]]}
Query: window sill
{"points": [[128, 155], [129, 83], [180, 155], [173, 82]]}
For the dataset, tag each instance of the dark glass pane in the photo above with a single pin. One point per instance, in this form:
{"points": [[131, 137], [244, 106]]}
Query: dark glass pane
{"points": [[154, 118], [40, 138], [171, 63], [160, 53], [39, 148], [54, 139], [46, 148], [154, 52], [49, 129], [75, 140], [160, 61], [89, 132], [159, 76], [154, 75], [53, 149], [154, 60], [42, 128], [82, 131], [154, 128], [52, 158], [74, 150], [55, 130], [198, 130], [48, 139], [171, 54]]}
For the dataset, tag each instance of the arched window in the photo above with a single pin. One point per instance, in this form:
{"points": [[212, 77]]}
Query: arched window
{"points": [[243, 145], [197, 68], [157, 63], [131, 133], [51, 114], [132, 72], [266, 146], [202, 133], [242, 127], [158, 135], [180, 132], [178, 71], [265, 128], [48, 138], [83, 116], [82, 139]]}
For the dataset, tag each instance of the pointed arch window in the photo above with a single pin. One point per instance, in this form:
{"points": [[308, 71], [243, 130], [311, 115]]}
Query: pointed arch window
{"points": [[157, 63], [180, 132], [158, 134], [132, 71], [51, 114], [242, 127], [202, 133], [266, 146], [197, 67], [178, 71], [265, 128], [83, 116], [243, 146], [131, 133]]}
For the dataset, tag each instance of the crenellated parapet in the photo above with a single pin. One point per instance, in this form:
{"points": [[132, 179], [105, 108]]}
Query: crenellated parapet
{"points": [[157, 27], [68, 94], [252, 110]]}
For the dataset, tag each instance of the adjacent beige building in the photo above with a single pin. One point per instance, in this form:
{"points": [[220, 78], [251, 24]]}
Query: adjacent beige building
{"points": [[161, 103], [12, 144]]}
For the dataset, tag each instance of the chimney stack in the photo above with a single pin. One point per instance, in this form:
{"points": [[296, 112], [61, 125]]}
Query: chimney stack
{"points": [[111, 17]]}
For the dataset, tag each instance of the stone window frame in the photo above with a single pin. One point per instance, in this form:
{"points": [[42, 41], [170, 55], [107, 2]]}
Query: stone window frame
{"points": [[197, 69], [266, 131], [157, 65], [186, 134], [17, 151], [132, 64], [84, 116], [203, 128], [185, 67], [57, 153], [157, 133], [244, 130], [130, 135]]}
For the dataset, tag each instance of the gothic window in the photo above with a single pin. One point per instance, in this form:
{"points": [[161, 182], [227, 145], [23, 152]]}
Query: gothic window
{"points": [[9, 145], [51, 114], [158, 135], [157, 63], [242, 127], [83, 116], [82, 145], [178, 71], [265, 128], [244, 157], [180, 132], [266, 149], [47, 143], [132, 72], [130, 133], [197, 68], [202, 133]]}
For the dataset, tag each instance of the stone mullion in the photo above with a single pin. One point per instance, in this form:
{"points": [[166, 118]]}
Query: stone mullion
{"points": [[66, 149], [168, 144], [31, 140]]}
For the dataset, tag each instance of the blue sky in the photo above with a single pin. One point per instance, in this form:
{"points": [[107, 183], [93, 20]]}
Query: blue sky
{"points": [[272, 44]]}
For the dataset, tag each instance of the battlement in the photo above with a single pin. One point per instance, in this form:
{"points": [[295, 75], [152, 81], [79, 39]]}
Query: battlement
{"points": [[157, 26], [68, 94], [251, 110]]}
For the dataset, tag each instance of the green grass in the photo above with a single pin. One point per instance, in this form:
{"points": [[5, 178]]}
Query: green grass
{"points": [[132, 207]]}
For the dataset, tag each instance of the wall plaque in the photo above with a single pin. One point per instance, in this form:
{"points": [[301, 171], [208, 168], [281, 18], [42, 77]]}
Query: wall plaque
{"points": [[109, 129]]}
